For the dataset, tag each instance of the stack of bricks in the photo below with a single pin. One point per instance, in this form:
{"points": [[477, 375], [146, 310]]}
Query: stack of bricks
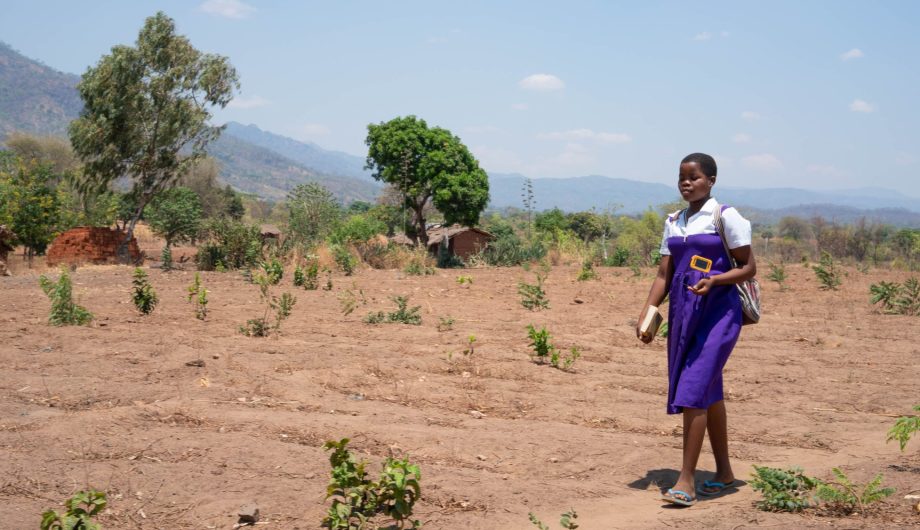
{"points": [[89, 244]]}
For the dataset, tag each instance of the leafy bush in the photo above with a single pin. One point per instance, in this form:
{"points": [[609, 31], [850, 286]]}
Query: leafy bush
{"points": [[905, 427], [229, 245], [507, 250], [64, 312], [199, 295], [81, 508], [355, 498], [619, 258], [787, 490], [587, 272], [166, 261], [844, 496], [418, 268], [299, 277], [886, 293], [828, 275], [357, 229], [144, 297], [344, 259], [777, 274], [273, 270], [280, 307], [544, 350], [307, 278], [533, 297], [898, 299]]}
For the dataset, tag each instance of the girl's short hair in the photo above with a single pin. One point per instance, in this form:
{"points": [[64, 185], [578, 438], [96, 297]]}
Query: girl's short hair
{"points": [[706, 163]]}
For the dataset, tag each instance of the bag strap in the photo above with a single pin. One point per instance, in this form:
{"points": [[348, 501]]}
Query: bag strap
{"points": [[720, 228]]}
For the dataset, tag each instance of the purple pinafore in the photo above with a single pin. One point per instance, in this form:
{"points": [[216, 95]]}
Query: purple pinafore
{"points": [[702, 330]]}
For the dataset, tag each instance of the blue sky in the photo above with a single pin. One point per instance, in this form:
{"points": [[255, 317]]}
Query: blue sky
{"points": [[818, 94]]}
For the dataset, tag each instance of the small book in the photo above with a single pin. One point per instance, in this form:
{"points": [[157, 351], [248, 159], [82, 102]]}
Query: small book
{"points": [[650, 323]]}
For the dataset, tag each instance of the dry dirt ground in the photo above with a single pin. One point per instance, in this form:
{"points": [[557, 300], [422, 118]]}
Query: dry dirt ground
{"points": [[114, 405]]}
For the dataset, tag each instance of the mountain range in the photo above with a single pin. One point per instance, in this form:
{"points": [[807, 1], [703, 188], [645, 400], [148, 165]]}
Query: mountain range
{"points": [[37, 99]]}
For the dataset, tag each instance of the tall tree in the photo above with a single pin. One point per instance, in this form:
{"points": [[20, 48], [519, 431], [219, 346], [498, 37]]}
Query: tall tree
{"points": [[428, 164], [28, 203], [174, 215], [313, 212], [146, 110]]}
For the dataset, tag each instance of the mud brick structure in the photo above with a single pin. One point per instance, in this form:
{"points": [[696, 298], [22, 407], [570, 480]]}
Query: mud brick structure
{"points": [[90, 244]]}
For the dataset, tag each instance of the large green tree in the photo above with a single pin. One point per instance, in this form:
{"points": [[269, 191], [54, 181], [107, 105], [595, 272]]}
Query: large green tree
{"points": [[28, 203], [146, 112], [313, 213], [428, 165], [174, 215]]}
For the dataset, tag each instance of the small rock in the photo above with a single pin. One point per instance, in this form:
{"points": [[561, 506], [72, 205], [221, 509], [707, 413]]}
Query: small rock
{"points": [[476, 414], [579, 301], [249, 514], [197, 362], [481, 457], [356, 397], [216, 356], [554, 459], [46, 349]]}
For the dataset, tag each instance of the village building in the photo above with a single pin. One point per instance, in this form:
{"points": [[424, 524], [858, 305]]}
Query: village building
{"points": [[460, 241]]}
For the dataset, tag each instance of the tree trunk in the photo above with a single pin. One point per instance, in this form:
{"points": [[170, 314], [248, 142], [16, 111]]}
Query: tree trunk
{"points": [[421, 232], [123, 255]]}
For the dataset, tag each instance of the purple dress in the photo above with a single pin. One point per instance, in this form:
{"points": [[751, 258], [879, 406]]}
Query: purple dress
{"points": [[702, 330]]}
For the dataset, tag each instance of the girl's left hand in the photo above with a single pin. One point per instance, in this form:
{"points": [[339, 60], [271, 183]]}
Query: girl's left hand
{"points": [[702, 287]]}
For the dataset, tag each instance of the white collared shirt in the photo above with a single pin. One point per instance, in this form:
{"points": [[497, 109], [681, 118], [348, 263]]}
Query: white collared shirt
{"points": [[737, 228]]}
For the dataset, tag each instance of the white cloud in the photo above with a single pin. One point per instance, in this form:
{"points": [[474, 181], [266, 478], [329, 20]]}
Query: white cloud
{"points": [[762, 162], [519, 106], [241, 102], [750, 115], [824, 169], [227, 8], [859, 105], [541, 83], [855, 53], [587, 134], [741, 138], [703, 36]]}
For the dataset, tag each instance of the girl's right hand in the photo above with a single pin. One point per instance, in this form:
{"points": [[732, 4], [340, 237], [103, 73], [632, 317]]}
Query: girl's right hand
{"points": [[639, 336]]}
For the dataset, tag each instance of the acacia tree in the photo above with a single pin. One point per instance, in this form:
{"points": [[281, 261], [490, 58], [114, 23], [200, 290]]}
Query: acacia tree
{"points": [[145, 113], [428, 164]]}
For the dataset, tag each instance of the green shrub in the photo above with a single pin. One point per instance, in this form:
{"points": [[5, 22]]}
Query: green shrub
{"points": [[279, 307], [299, 277], [166, 261], [844, 496], [507, 250], [81, 508], [787, 490], [905, 427], [273, 270], [144, 297], [619, 258], [908, 301], [829, 276], [228, 245], [418, 268], [544, 350], [356, 498], [587, 272], [567, 521], [777, 274], [64, 312], [533, 297], [344, 259], [403, 314]]}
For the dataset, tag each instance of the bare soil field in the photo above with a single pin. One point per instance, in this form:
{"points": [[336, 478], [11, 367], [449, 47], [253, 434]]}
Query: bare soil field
{"points": [[115, 406]]}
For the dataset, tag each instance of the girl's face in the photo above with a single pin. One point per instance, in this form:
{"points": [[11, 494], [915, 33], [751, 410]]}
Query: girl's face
{"points": [[692, 183]]}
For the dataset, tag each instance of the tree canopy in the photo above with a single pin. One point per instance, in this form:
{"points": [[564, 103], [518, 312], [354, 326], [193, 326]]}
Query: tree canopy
{"points": [[174, 215], [428, 164], [146, 112]]}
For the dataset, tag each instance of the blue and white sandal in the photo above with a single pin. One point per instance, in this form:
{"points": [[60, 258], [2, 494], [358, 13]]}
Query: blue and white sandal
{"points": [[719, 487], [684, 498]]}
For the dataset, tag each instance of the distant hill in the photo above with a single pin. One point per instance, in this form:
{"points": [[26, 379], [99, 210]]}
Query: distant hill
{"points": [[630, 196], [35, 97], [253, 169], [308, 154]]}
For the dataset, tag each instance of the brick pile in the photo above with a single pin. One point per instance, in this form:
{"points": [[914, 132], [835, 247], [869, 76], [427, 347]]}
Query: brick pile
{"points": [[89, 244]]}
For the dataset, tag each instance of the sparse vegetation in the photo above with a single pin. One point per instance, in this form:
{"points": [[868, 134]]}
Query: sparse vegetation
{"points": [[348, 300], [418, 267], [533, 297], [829, 276], [784, 490], [587, 272], [843, 496], [273, 271], [166, 261], [144, 297], [64, 312], [356, 498], [199, 295], [445, 323], [344, 259], [279, 307], [567, 521], [81, 508], [544, 351], [403, 314], [895, 298], [465, 280], [905, 427]]}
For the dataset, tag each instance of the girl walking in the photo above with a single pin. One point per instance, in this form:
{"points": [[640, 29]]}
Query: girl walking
{"points": [[704, 318]]}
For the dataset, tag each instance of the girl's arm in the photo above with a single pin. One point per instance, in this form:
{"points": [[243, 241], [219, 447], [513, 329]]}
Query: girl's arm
{"points": [[744, 256], [656, 294]]}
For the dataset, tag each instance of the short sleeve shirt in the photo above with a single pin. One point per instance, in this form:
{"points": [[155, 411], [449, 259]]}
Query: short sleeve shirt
{"points": [[737, 228]]}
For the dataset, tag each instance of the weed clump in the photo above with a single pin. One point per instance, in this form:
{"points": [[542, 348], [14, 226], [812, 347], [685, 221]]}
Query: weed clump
{"points": [[81, 508], [778, 274], [788, 490], [829, 276], [198, 295], [896, 298], [544, 350], [905, 427], [844, 497], [279, 306], [144, 297], [356, 498], [587, 272], [403, 314], [64, 312]]}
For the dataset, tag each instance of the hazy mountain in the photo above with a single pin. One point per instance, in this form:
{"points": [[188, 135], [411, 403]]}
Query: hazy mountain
{"points": [[308, 154], [583, 193], [35, 97], [253, 169]]}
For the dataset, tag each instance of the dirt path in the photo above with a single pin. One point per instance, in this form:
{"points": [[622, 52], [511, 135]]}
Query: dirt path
{"points": [[114, 405]]}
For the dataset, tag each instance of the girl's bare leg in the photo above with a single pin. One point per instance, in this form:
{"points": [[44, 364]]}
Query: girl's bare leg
{"points": [[694, 431], [717, 425]]}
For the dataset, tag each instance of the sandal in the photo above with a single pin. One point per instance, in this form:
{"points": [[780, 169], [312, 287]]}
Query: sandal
{"points": [[719, 487], [685, 498]]}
